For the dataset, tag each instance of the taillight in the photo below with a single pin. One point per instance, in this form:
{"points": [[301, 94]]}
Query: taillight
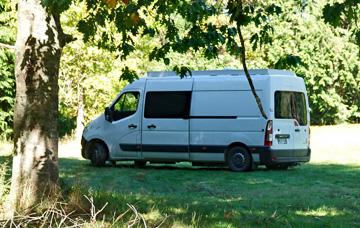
{"points": [[269, 134]]}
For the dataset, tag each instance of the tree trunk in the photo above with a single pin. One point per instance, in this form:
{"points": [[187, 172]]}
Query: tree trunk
{"points": [[35, 157]]}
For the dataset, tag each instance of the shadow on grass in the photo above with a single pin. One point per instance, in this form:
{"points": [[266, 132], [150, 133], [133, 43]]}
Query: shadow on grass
{"points": [[309, 195], [312, 194]]}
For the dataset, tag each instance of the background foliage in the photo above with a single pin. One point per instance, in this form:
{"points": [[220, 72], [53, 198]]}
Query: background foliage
{"points": [[330, 61], [7, 61], [326, 56]]}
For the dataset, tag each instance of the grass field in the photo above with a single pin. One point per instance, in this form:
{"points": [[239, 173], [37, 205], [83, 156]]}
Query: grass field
{"points": [[324, 192]]}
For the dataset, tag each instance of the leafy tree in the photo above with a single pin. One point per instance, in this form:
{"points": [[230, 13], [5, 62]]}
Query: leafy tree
{"points": [[344, 14], [323, 56], [198, 33], [84, 85]]}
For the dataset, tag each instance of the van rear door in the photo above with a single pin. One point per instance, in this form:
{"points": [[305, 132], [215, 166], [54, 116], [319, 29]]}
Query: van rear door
{"points": [[301, 125], [165, 126], [283, 125], [291, 124]]}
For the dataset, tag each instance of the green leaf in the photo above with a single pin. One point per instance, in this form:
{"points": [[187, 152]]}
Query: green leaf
{"points": [[357, 37], [288, 61], [87, 28], [128, 75], [57, 6], [332, 13], [182, 71], [254, 40]]}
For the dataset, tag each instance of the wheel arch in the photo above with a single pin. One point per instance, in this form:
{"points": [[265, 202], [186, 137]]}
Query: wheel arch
{"points": [[235, 144], [97, 140]]}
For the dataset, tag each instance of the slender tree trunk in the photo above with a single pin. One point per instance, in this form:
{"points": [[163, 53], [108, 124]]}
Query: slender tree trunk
{"points": [[35, 156], [80, 114], [243, 61]]}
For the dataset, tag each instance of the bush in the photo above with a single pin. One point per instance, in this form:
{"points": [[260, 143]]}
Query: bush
{"points": [[7, 93]]}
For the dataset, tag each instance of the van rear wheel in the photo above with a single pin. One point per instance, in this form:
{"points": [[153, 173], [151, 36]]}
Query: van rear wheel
{"points": [[239, 159], [98, 154]]}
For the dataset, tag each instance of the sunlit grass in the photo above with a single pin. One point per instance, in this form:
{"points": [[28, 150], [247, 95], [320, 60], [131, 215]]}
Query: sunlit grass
{"points": [[321, 212]]}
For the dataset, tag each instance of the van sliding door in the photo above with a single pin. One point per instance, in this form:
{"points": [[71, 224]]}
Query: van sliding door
{"points": [[165, 134]]}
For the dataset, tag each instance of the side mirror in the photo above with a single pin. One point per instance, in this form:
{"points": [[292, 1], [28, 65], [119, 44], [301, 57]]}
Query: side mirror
{"points": [[108, 114]]}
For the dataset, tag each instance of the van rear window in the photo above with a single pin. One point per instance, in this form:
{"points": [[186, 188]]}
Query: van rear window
{"points": [[291, 105], [167, 104]]}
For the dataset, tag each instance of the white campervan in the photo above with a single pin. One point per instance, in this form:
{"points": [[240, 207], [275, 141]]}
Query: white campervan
{"points": [[209, 117]]}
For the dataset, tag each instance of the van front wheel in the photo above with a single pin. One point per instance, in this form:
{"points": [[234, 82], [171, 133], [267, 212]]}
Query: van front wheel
{"points": [[98, 154], [238, 159]]}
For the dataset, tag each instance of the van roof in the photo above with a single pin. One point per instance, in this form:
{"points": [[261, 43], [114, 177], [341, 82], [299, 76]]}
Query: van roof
{"points": [[222, 73]]}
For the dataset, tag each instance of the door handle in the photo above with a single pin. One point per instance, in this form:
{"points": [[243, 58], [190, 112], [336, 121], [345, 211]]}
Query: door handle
{"points": [[282, 136], [297, 130], [132, 126], [151, 126]]}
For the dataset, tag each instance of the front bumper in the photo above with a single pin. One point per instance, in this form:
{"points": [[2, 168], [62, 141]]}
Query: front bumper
{"points": [[270, 156], [84, 143]]}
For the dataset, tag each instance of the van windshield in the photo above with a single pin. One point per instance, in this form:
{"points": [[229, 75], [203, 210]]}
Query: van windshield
{"points": [[291, 105]]}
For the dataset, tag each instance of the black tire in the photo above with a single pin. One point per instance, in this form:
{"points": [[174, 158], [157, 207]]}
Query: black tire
{"points": [[239, 159], [278, 166], [140, 164], [113, 163], [98, 154]]}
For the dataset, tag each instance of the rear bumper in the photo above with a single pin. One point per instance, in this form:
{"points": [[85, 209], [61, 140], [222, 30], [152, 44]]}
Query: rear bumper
{"points": [[270, 156]]}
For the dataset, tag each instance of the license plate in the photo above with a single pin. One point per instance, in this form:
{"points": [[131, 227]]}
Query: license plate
{"points": [[282, 141]]}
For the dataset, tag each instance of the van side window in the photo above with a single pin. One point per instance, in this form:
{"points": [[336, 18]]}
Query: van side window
{"points": [[126, 105], [167, 104], [291, 105]]}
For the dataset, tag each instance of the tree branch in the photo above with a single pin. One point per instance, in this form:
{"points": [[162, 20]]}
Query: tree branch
{"points": [[63, 37], [243, 60], [7, 46]]}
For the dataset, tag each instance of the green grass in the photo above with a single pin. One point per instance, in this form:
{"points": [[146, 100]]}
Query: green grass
{"points": [[310, 195], [322, 193]]}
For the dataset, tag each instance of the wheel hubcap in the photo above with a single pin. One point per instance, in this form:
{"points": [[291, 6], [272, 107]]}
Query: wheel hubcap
{"points": [[239, 160]]}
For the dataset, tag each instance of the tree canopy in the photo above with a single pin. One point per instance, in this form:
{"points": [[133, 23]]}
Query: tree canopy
{"points": [[298, 56]]}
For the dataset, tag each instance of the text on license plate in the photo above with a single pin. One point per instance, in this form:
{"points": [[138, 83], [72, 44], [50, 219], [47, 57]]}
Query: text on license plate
{"points": [[282, 141]]}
